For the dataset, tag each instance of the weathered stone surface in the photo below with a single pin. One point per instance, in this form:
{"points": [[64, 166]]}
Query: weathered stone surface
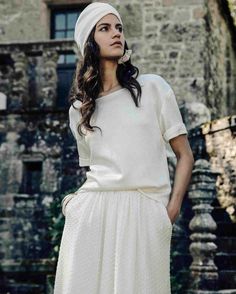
{"points": [[197, 25], [187, 42], [220, 145], [220, 68], [132, 15], [23, 21], [195, 114]]}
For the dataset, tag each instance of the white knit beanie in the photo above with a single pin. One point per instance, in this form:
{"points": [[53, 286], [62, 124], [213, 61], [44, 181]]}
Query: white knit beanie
{"points": [[88, 19]]}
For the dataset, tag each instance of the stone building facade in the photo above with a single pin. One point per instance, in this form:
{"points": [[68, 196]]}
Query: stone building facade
{"points": [[192, 44]]}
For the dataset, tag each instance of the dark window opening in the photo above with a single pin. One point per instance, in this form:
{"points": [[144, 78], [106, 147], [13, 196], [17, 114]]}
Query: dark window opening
{"points": [[32, 176], [63, 22]]}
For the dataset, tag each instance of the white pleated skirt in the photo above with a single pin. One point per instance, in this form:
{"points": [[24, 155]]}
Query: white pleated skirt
{"points": [[114, 242]]}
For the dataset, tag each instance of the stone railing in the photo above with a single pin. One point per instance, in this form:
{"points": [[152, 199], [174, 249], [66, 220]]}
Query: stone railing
{"points": [[204, 275], [28, 76], [213, 177]]}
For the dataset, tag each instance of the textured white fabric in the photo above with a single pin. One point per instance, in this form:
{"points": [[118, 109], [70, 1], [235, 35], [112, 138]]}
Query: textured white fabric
{"points": [[88, 19], [117, 233], [114, 242], [132, 150]]}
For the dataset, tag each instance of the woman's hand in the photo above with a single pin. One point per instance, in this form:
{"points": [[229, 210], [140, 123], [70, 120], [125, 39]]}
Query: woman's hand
{"points": [[173, 212]]}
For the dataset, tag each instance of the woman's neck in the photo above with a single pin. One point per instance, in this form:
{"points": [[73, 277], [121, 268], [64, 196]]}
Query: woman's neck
{"points": [[108, 75], [114, 88]]}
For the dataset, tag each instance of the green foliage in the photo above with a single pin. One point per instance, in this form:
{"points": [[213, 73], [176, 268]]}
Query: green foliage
{"points": [[56, 224], [178, 278]]}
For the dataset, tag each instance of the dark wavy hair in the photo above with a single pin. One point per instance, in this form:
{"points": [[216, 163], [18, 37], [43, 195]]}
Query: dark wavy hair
{"points": [[87, 82]]}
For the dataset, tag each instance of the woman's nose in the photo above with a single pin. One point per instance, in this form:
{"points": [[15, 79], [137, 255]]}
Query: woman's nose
{"points": [[116, 32]]}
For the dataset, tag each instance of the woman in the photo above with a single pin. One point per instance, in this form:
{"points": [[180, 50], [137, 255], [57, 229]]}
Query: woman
{"points": [[118, 225]]}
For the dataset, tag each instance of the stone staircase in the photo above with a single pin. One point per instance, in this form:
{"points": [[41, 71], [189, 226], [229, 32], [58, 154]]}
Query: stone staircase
{"points": [[225, 258]]}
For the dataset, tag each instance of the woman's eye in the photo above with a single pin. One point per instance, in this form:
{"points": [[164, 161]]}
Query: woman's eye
{"points": [[120, 29]]}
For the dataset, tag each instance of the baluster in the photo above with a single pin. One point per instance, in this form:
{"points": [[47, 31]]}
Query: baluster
{"points": [[20, 86], [49, 87], [202, 192]]}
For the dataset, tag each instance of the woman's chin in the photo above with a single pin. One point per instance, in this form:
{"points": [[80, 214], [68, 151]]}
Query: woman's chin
{"points": [[114, 56]]}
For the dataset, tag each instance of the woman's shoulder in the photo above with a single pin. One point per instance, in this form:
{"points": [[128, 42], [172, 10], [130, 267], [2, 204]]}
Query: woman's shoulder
{"points": [[156, 81], [74, 109], [76, 103]]}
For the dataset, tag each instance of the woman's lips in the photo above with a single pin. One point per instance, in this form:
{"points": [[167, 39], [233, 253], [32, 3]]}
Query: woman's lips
{"points": [[117, 44]]}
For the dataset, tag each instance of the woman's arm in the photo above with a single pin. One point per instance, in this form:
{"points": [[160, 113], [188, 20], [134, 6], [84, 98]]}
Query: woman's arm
{"points": [[183, 172]]}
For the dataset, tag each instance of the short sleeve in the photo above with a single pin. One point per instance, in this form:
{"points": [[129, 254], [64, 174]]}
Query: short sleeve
{"points": [[171, 122], [82, 147]]}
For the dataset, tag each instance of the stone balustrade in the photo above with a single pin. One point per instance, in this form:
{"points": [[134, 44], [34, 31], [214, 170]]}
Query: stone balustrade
{"points": [[202, 192], [28, 73]]}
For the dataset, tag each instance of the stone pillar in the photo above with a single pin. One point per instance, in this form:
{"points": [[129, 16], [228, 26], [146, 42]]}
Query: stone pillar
{"points": [[19, 95], [202, 192], [49, 74]]}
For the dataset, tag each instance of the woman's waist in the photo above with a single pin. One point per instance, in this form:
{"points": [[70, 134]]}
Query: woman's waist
{"points": [[155, 193], [116, 186]]}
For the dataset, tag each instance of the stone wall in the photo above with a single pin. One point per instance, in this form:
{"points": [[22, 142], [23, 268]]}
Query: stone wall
{"points": [[28, 20], [190, 44], [220, 61], [33, 147], [22, 21], [168, 38], [221, 148], [187, 42], [39, 164]]}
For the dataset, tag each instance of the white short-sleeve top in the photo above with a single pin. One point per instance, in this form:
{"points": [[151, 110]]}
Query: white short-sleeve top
{"points": [[131, 152]]}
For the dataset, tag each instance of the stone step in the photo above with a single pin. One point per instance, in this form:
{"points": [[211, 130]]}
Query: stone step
{"points": [[226, 229], [180, 243], [226, 244], [225, 261], [181, 260], [227, 279], [23, 288], [220, 214]]}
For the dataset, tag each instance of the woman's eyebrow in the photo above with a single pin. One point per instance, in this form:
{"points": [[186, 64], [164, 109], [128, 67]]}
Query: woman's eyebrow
{"points": [[108, 24]]}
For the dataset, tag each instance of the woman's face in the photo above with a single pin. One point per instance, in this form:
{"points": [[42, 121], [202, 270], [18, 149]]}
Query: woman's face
{"points": [[110, 30]]}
